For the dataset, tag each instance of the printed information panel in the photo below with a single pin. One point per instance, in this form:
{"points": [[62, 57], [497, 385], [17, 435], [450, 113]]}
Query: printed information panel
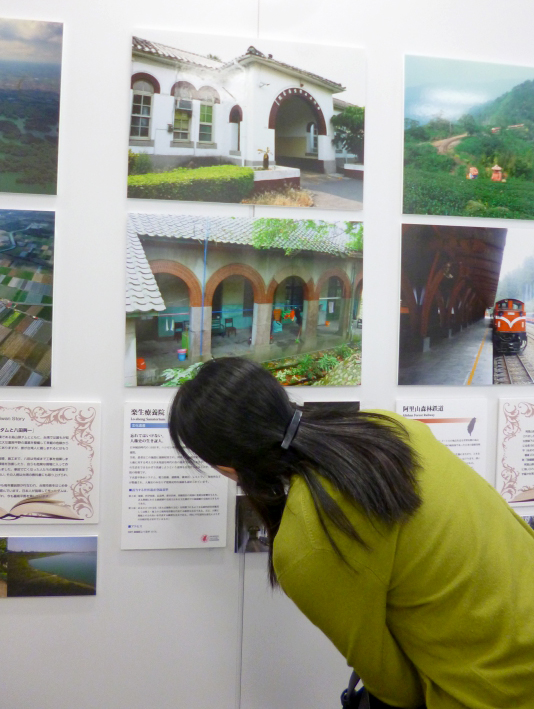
{"points": [[515, 450], [167, 504], [460, 424], [49, 462]]}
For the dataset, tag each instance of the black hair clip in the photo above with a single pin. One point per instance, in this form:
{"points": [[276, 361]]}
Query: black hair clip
{"points": [[292, 429]]}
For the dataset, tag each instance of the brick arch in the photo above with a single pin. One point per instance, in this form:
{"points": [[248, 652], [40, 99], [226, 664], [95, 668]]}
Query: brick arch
{"points": [[208, 93], [183, 87], [339, 273], [236, 269], [288, 94], [142, 76], [288, 273], [176, 269]]}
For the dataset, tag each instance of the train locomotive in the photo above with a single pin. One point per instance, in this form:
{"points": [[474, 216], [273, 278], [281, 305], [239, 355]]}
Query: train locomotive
{"points": [[509, 326]]}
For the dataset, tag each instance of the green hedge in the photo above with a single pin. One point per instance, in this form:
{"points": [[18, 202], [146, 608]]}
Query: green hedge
{"points": [[220, 183]]}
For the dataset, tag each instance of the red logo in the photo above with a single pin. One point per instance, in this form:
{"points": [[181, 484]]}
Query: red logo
{"points": [[204, 538]]}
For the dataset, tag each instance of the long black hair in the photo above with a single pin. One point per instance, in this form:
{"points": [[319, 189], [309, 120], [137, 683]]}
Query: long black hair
{"points": [[234, 413]]}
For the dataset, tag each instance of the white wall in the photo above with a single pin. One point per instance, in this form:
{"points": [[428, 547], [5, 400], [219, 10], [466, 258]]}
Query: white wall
{"points": [[165, 628]]}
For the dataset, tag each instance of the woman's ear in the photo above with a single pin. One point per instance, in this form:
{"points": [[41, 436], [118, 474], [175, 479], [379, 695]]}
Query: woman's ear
{"points": [[227, 472]]}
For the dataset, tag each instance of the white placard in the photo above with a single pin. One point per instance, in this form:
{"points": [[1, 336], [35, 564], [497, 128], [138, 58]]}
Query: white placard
{"points": [[167, 504], [49, 462], [460, 424], [515, 450]]}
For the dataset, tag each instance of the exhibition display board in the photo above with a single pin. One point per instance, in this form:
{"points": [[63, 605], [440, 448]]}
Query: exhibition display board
{"points": [[185, 182]]}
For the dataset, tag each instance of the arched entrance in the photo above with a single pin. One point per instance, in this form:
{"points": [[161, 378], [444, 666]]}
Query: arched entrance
{"points": [[331, 302], [174, 321], [232, 316], [297, 120], [288, 309], [159, 336]]}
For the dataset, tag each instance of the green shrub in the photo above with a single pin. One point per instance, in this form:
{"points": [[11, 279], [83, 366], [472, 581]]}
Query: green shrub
{"points": [[425, 157], [327, 362], [344, 350], [178, 375], [306, 366], [139, 163], [221, 183], [441, 193]]}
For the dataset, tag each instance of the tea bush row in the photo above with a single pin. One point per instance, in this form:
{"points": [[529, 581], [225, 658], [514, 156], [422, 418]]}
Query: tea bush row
{"points": [[452, 195]]}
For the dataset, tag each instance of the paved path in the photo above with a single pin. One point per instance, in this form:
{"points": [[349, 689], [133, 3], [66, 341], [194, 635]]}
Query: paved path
{"points": [[333, 191]]}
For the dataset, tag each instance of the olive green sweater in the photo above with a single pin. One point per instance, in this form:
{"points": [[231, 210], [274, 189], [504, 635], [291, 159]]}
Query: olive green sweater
{"points": [[437, 609]]}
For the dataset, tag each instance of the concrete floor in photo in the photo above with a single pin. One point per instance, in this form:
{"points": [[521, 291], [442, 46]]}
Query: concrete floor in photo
{"points": [[333, 191], [452, 361]]}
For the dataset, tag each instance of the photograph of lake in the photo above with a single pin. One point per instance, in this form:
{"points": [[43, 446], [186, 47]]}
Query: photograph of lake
{"points": [[468, 138], [30, 78], [48, 566]]}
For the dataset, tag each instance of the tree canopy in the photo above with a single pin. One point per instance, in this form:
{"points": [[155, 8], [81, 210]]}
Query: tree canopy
{"points": [[349, 128]]}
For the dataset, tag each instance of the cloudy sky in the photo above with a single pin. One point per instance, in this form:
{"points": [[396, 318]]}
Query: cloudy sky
{"points": [[30, 41], [450, 87], [52, 543], [519, 246]]}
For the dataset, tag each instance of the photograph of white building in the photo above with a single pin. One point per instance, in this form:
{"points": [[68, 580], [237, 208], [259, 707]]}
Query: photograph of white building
{"points": [[208, 114]]}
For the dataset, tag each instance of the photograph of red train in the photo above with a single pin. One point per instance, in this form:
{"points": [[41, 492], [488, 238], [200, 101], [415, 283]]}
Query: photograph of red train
{"points": [[467, 305]]}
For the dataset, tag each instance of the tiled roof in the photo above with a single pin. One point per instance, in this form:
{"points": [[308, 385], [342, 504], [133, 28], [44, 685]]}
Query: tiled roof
{"points": [[253, 52], [233, 230], [166, 52], [163, 50], [142, 292], [339, 104]]}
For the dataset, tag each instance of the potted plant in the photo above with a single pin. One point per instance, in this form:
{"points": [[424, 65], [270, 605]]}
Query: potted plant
{"points": [[266, 154]]}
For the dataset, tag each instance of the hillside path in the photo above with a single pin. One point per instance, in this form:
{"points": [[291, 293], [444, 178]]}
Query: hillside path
{"points": [[445, 145]]}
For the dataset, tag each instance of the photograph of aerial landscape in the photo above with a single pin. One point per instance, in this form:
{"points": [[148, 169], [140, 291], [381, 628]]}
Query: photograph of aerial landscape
{"points": [[468, 138], [30, 77], [47, 566], [26, 273]]}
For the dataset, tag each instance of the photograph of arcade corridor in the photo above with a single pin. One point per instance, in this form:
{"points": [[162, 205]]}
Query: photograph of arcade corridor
{"points": [[286, 293]]}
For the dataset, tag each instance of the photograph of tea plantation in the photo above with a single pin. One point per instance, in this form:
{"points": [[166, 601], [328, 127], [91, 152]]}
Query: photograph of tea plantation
{"points": [[468, 139], [217, 119], [30, 77], [286, 293]]}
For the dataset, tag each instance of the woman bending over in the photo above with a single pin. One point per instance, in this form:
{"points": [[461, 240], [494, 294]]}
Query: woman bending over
{"points": [[416, 569]]}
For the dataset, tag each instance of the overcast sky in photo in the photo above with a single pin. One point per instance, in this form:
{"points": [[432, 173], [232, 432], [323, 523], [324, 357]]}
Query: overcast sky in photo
{"points": [[52, 543], [30, 41], [344, 65], [451, 87], [519, 246]]}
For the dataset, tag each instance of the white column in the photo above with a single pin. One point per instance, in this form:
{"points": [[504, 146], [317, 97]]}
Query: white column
{"points": [[130, 358]]}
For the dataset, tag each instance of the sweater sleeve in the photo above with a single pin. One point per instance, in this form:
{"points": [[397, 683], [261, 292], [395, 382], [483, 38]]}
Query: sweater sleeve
{"points": [[349, 607]]}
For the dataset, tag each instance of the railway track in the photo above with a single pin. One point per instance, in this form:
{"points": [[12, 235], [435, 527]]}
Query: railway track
{"points": [[512, 369]]}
